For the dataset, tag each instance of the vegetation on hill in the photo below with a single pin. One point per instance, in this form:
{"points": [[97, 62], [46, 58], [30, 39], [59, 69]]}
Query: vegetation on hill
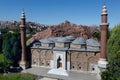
{"points": [[113, 54]]}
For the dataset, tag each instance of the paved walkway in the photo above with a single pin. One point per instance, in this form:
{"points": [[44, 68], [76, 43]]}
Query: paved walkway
{"points": [[45, 78], [42, 73]]}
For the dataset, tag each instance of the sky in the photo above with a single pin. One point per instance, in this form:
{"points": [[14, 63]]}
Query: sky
{"points": [[52, 12]]}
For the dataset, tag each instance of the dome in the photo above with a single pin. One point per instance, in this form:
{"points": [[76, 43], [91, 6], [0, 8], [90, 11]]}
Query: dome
{"points": [[49, 40], [63, 39], [53, 39], [34, 42], [80, 40], [70, 37], [92, 42]]}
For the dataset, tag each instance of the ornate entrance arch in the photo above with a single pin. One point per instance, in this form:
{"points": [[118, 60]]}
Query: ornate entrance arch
{"points": [[59, 63]]}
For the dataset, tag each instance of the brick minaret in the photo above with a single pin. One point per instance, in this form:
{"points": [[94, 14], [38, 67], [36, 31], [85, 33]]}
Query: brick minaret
{"points": [[23, 41], [104, 29]]}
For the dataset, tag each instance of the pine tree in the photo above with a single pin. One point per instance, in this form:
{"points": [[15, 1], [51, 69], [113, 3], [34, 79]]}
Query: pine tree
{"points": [[113, 55]]}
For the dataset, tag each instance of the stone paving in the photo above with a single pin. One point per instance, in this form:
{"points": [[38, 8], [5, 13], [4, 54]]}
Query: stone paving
{"points": [[47, 79], [73, 75]]}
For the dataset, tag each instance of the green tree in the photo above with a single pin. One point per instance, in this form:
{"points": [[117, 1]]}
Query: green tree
{"points": [[113, 55], [12, 47], [0, 43], [96, 35], [16, 48], [6, 50]]}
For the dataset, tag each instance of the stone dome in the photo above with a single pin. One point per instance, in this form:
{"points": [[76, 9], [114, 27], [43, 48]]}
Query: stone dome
{"points": [[49, 40], [92, 42], [79, 40], [70, 37], [65, 39]]}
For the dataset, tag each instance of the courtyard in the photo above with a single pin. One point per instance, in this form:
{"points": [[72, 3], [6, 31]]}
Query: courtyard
{"points": [[73, 75]]}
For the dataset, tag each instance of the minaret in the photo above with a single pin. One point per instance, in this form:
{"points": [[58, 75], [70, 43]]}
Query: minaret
{"points": [[104, 29], [23, 41]]}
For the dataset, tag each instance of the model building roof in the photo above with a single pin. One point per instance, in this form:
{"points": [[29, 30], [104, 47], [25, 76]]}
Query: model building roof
{"points": [[79, 40], [92, 42]]}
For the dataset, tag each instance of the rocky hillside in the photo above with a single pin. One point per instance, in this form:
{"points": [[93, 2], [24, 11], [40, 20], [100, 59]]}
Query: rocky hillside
{"points": [[44, 31], [64, 29]]}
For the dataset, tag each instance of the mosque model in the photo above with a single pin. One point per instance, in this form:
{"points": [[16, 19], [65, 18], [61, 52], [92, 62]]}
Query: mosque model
{"points": [[64, 54]]}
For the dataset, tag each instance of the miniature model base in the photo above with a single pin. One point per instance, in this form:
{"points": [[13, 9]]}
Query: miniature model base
{"points": [[59, 71]]}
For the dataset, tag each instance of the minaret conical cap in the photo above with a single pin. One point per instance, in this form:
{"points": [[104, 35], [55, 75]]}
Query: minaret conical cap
{"points": [[23, 15], [104, 9]]}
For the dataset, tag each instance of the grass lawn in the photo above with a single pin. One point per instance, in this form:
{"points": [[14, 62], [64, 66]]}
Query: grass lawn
{"points": [[17, 76]]}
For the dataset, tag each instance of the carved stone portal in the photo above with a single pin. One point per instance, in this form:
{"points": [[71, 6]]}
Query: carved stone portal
{"points": [[59, 63]]}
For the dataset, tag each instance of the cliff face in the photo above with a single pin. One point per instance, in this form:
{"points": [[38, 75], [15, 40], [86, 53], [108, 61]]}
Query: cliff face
{"points": [[65, 29]]}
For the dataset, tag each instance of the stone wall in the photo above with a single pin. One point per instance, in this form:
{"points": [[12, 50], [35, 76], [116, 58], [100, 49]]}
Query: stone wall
{"points": [[41, 57], [80, 61], [83, 61]]}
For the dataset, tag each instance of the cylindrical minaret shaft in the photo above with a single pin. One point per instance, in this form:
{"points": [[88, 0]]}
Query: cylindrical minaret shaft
{"points": [[23, 40], [102, 63], [104, 30], [23, 37]]}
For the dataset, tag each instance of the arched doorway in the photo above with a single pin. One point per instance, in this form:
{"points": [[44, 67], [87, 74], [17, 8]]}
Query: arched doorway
{"points": [[59, 62]]}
